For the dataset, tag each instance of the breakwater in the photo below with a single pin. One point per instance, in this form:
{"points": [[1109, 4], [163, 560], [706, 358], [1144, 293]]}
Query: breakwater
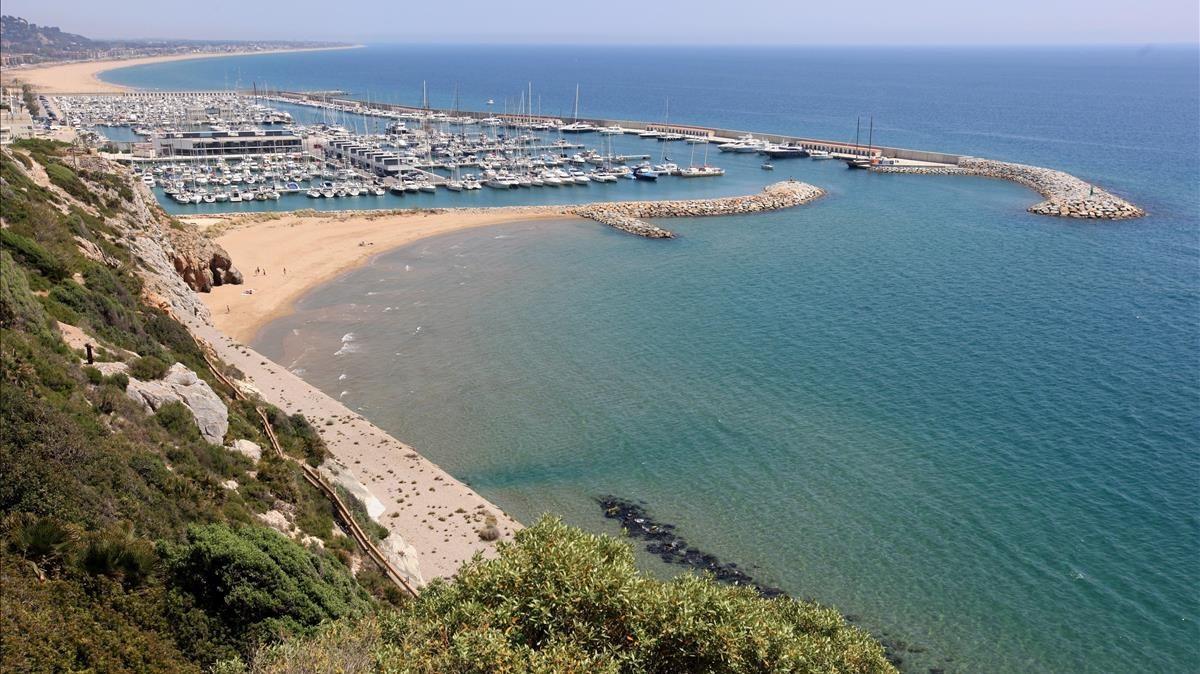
{"points": [[1065, 195], [628, 216], [662, 540]]}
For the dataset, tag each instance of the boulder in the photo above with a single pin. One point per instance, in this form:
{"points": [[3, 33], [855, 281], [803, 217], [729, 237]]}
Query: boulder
{"points": [[181, 384], [114, 367], [340, 475], [247, 449], [403, 558], [278, 521]]}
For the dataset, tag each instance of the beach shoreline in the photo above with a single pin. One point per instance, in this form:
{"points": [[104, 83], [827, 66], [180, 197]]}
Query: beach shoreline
{"points": [[283, 258], [83, 77]]}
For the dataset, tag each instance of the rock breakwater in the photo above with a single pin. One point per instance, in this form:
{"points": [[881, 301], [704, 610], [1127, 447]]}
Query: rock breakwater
{"points": [[1065, 195], [662, 540], [628, 216]]}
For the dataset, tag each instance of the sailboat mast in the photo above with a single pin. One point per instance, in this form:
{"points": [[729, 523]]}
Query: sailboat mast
{"points": [[871, 135], [577, 102]]}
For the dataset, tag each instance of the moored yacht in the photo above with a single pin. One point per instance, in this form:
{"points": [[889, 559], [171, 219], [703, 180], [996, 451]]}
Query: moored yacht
{"points": [[577, 127], [701, 172]]}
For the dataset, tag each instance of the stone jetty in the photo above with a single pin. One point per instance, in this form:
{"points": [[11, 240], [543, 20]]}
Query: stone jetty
{"points": [[662, 540], [628, 216], [1066, 196]]}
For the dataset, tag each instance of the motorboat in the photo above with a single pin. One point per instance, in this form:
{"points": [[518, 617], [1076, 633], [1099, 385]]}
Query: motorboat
{"points": [[784, 151], [701, 172], [577, 127], [645, 173]]}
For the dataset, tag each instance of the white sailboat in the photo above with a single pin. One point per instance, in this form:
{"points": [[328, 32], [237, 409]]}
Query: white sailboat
{"points": [[577, 126]]}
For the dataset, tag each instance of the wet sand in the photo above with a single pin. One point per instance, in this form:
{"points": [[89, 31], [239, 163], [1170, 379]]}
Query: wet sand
{"points": [[296, 252]]}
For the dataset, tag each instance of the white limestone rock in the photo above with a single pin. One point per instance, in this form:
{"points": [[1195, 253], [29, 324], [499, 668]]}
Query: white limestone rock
{"points": [[109, 369], [248, 449], [181, 384], [341, 475]]}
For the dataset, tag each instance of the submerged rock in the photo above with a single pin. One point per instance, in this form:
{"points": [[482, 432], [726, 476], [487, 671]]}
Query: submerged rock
{"points": [[673, 549]]}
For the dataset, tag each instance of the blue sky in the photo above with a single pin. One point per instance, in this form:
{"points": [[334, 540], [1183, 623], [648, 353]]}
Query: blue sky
{"points": [[883, 22]]}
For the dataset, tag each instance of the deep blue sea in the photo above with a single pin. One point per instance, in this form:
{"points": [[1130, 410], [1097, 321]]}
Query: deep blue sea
{"points": [[974, 429]]}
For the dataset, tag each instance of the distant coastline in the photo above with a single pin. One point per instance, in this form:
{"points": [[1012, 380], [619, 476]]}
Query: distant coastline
{"points": [[83, 77]]}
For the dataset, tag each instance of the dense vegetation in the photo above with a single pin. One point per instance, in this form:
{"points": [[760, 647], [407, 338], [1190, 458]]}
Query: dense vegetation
{"points": [[561, 600], [128, 543], [115, 525]]}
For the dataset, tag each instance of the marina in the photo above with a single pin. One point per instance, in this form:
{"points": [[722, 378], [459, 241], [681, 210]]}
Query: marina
{"points": [[279, 150], [213, 151]]}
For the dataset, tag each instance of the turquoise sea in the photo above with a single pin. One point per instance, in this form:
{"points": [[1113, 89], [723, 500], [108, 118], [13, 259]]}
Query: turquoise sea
{"points": [[973, 429]]}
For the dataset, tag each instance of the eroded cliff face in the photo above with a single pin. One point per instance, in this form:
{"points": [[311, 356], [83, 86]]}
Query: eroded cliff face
{"points": [[178, 259], [201, 263]]}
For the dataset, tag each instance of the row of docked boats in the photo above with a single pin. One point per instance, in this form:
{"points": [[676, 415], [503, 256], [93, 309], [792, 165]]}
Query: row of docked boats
{"points": [[331, 190], [205, 196]]}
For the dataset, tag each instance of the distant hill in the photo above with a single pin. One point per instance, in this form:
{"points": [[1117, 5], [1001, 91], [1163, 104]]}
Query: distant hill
{"points": [[19, 38], [23, 42]]}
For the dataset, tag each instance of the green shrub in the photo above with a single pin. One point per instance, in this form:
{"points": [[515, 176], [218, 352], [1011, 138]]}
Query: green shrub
{"points": [[42, 146], [38, 538], [110, 398], [558, 599], [178, 420], [147, 368], [118, 555], [298, 437], [374, 529], [18, 307], [118, 379], [32, 253], [93, 375], [257, 585], [70, 183]]}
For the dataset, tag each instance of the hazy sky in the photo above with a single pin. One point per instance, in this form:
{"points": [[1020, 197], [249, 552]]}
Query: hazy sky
{"points": [[632, 21]]}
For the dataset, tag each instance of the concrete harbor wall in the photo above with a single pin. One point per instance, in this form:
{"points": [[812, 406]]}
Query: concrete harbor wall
{"points": [[716, 134], [1065, 195], [627, 216]]}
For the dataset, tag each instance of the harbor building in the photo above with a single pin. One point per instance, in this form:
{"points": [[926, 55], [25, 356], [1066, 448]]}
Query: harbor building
{"points": [[380, 161], [226, 143]]}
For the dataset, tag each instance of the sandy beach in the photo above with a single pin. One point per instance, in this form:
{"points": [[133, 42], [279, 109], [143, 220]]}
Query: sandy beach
{"points": [[84, 77], [316, 248], [436, 515]]}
